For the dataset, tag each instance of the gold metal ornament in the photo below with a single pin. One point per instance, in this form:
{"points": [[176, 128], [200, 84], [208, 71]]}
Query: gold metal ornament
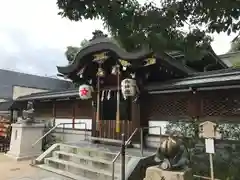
{"points": [[115, 70], [100, 58], [100, 72], [150, 61], [124, 63]]}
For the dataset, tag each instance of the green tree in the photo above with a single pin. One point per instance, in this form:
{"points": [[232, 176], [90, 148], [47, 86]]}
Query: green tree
{"points": [[83, 42], [71, 51], [147, 25], [235, 45], [226, 166]]}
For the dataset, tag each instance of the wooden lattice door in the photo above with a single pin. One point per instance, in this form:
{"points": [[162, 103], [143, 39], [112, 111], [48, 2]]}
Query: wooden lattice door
{"points": [[168, 105], [223, 103]]}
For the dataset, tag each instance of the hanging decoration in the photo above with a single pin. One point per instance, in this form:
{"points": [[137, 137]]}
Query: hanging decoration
{"points": [[103, 95], [109, 94], [129, 88], [100, 72], [150, 61], [81, 71], [85, 91], [116, 71], [99, 58], [125, 64]]}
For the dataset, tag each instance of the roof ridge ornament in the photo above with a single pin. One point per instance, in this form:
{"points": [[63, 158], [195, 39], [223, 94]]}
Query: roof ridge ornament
{"points": [[98, 34], [100, 57]]}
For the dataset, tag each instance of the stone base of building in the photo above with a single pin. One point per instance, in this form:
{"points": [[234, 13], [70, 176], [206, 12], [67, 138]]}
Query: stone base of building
{"points": [[22, 139], [155, 173]]}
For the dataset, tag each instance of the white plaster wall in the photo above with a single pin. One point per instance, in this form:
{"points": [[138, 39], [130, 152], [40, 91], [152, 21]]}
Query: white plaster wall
{"points": [[88, 123], [72, 135], [23, 91], [156, 130], [227, 61], [64, 120]]}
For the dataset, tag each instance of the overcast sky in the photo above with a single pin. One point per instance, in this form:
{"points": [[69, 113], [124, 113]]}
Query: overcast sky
{"points": [[33, 37]]}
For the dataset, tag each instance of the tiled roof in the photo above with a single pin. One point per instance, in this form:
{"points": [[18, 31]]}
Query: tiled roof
{"points": [[50, 95], [5, 106], [8, 79], [208, 79]]}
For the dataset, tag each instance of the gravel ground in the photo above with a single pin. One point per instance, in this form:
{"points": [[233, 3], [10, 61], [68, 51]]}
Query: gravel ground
{"points": [[11, 169]]}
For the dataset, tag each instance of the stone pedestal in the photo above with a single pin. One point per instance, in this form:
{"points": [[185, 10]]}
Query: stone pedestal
{"points": [[155, 173], [23, 136]]}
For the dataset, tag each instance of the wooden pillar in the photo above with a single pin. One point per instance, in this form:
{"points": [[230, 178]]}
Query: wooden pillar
{"points": [[11, 115], [144, 113], [135, 118], [73, 113], [94, 133], [194, 104], [54, 112]]}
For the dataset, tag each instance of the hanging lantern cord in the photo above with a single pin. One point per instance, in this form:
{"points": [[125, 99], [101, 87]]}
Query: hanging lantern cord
{"points": [[118, 101], [98, 103]]}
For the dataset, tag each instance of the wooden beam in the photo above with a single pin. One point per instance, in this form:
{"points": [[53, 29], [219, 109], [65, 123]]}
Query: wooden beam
{"points": [[73, 113], [54, 112]]}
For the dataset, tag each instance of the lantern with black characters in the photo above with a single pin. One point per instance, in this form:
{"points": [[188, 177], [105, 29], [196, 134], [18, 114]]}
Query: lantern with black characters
{"points": [[129, 88]]}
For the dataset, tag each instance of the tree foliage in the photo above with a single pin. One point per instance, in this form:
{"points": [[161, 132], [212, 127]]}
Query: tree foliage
{"points": [[226, 160], [235, 45], [71, 51], [190, 129], [147, 25]]}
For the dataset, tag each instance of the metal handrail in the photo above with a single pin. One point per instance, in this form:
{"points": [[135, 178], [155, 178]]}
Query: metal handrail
{"points": [[53, 128], [204, 177], [118, 154], [126, 143]]}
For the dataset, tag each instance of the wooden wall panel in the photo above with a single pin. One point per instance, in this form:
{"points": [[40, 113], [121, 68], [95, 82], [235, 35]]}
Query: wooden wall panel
{"points": [[64, 109], [43, 109], [108, 129], [168, 105], [221, 103], [83, 109]]}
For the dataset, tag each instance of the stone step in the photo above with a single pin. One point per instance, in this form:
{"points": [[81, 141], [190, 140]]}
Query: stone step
{"points": [[91, 152], [79, 169], [93, 162], [61, 172]]}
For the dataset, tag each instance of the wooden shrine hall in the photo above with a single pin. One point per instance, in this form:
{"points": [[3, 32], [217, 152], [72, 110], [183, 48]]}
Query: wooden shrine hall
{"points": [[166, 88]]}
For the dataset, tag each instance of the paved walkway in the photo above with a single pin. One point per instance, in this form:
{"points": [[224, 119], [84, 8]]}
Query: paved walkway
{"points": [[21, 170]]}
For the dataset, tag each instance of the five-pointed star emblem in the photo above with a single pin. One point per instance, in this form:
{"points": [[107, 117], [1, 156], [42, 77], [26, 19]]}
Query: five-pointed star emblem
{"points": [[83, 92]]}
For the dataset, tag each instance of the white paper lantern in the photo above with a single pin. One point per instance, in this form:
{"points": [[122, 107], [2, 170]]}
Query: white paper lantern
{"points": [[85, 91], [128, 87]]}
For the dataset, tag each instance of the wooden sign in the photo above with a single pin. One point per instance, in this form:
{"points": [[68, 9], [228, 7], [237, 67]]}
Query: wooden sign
{"points": [[207, 129], [209, 146]]}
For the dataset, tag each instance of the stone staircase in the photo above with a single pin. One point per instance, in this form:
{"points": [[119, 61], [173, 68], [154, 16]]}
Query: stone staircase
{"points": [[85, 163]]}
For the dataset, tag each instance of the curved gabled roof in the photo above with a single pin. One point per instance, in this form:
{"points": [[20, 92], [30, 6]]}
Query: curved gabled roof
{"points": [[99, 45], [105, 44]]}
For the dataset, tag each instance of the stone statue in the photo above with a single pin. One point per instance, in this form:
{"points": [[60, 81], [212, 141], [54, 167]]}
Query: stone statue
{"points": [[27, 115], [172, 155], [173, 158]]}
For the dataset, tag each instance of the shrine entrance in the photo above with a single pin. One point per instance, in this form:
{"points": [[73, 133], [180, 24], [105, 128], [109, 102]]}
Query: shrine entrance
{"points": [[108, 112], [102, 65]]}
